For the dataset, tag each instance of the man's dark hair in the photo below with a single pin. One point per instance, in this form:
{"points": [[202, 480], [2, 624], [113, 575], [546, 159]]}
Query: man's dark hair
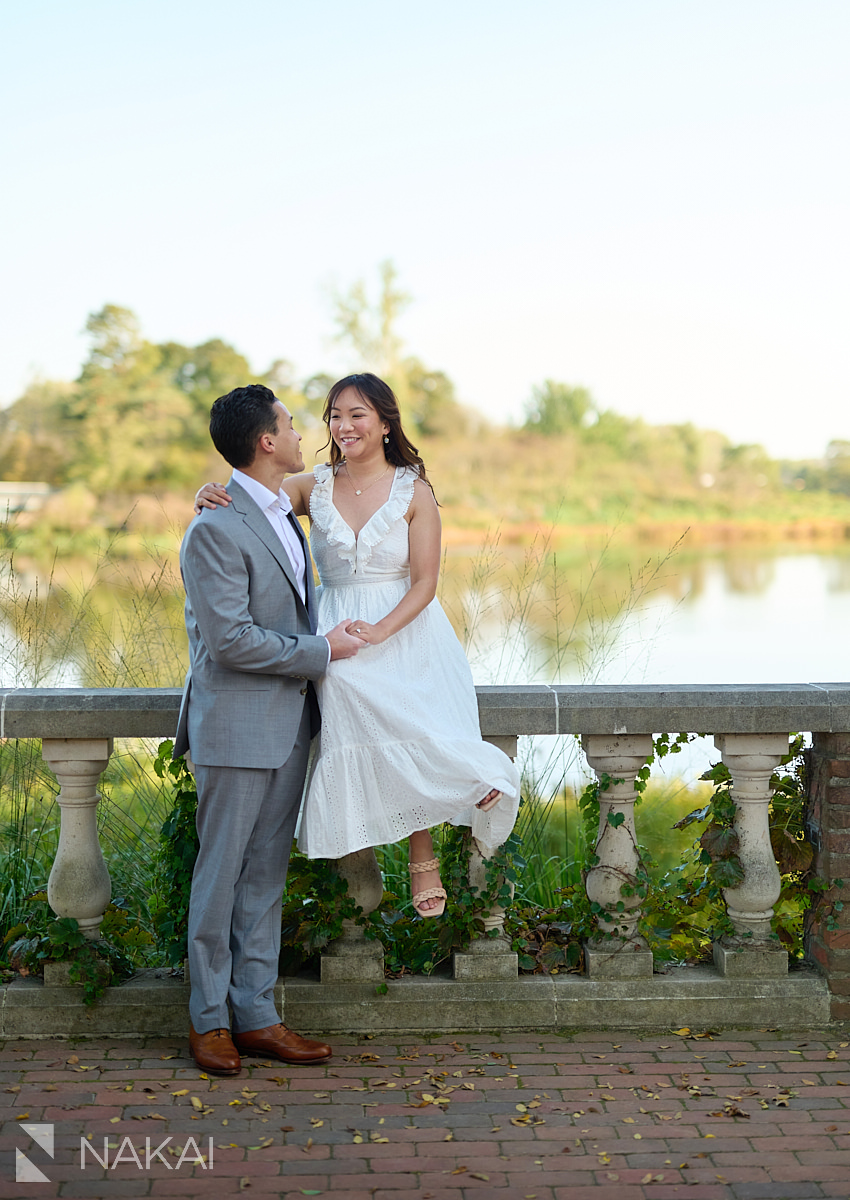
{"points": [[239, 419]]}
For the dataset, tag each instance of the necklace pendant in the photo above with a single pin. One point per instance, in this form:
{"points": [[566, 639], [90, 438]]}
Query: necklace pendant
{"points": [[357, 491]]}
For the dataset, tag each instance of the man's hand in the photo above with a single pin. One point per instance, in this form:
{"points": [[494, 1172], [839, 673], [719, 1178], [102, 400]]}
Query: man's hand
{"points": [[343, 644]]}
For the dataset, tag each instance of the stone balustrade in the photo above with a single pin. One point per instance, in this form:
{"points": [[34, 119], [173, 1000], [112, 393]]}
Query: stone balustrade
{"points": [[751, 727]]}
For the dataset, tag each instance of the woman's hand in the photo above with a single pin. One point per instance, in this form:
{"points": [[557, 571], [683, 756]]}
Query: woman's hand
{"points": [[370, 634], [211, 495]]}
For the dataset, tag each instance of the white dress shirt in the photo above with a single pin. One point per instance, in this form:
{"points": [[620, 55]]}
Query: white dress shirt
{"points": [[275, 508]]}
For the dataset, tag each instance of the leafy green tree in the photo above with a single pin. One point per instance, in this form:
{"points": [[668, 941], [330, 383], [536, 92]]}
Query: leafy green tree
{"points": [[556, 408], [36, 440], [132, 427], [426, 398], [205, 372], [838, 467]]}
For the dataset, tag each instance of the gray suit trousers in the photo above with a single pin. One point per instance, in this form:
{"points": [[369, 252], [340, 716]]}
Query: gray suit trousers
{"points": [[246, 822]]}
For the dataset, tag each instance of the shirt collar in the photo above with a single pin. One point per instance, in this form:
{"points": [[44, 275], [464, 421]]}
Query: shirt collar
{"points": [[262, 496]]}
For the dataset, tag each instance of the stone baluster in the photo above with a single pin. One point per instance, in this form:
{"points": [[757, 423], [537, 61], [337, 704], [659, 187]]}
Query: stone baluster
{"points": [[752, 758], [79, 884], [624, 953], [489, 957], [354, 958]]}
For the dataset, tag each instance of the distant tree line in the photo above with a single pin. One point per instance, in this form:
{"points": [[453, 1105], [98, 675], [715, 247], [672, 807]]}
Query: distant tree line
{"points": [[136, 420]]}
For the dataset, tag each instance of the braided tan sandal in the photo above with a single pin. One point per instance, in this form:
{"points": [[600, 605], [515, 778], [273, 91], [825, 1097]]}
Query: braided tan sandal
{"points": [[430, 893]]}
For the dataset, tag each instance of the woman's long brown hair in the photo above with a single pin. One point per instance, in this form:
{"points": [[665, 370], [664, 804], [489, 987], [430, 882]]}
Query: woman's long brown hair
{"points": [[399, 450]]}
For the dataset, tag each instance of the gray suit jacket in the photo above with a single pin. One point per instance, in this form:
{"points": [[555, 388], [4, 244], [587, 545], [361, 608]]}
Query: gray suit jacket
{"points": [[252, 641]]}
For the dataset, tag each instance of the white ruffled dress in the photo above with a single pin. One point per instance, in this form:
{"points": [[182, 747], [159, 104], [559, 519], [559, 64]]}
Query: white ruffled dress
{"points": [[400, 747]]}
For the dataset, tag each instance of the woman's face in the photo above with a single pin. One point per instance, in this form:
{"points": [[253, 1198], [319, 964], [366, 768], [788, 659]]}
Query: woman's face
{"points": [[355, 426]]}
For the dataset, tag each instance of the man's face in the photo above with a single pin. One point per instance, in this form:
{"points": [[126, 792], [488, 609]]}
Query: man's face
{"points": [[287, 442]]}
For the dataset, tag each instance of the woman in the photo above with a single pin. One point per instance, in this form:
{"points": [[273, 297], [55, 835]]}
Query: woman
{"points": [[400, 748]]}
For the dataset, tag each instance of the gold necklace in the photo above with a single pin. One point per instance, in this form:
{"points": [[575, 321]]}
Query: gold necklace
{"points": [[359, 491]]}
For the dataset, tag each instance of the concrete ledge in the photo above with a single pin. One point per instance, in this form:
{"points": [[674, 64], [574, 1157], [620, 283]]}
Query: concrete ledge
{"points": [[504, 711], [149, 1004], [154, 1004]]}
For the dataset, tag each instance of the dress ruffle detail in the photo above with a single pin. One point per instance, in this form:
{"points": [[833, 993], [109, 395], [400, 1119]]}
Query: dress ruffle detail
{"points": [[357, 548], [322, 513]]}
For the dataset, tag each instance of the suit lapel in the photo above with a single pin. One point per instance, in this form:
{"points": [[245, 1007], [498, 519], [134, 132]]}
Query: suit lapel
{"points": [[258, 523]]}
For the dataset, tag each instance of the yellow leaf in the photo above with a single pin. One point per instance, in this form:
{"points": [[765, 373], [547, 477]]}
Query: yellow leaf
{"points": [[197, 1103], [684, 1032], [114, 1120], [316, 1123], [182, 1092]]}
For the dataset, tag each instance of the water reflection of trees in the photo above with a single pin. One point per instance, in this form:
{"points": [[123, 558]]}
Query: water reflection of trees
{"points": [[525, 614], [101, 623]]}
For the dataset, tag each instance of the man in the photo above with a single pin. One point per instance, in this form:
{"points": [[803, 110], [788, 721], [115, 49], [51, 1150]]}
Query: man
{"points": [[248, 712]]}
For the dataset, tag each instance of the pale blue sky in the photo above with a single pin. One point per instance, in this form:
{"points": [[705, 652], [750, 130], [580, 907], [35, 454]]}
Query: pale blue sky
{"points": [[647, 198]]}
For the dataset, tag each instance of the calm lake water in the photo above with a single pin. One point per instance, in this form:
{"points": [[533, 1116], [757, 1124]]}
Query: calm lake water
{"points": [[741, 615]]}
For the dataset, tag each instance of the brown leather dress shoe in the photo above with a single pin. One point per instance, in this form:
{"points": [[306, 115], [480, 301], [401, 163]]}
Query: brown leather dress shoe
{"points": [[214, 1052], [279, 1042]]}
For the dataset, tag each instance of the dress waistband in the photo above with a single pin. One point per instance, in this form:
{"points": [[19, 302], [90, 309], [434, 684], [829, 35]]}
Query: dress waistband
{"points": [[368, 580]]}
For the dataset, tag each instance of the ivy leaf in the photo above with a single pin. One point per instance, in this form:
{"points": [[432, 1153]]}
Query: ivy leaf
{"points": [[793, 855], [719, 840], [728, 873]]}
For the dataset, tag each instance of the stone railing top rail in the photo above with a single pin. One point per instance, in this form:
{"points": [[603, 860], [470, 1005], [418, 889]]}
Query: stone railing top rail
{"points": [[504, 710]]}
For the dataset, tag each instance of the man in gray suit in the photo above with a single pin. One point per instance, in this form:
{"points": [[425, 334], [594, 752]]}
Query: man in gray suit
{"points": [[249, 710]]}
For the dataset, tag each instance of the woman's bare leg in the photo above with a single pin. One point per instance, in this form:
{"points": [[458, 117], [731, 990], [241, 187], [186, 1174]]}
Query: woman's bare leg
{"points": [[421, 849]]}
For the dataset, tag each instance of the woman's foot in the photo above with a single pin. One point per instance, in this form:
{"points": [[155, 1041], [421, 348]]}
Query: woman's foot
{"points": [[429, 896], [490, 800]]}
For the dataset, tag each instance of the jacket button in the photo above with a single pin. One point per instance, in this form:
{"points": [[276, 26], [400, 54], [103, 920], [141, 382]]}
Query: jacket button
{"points": [[304, 690]]}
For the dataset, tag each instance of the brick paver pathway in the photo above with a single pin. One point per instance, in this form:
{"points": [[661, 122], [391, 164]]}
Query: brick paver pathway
{"points": [[517, 1117]]}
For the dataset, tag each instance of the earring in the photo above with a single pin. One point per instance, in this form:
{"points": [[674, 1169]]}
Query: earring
{"points": [[386, 439]]}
